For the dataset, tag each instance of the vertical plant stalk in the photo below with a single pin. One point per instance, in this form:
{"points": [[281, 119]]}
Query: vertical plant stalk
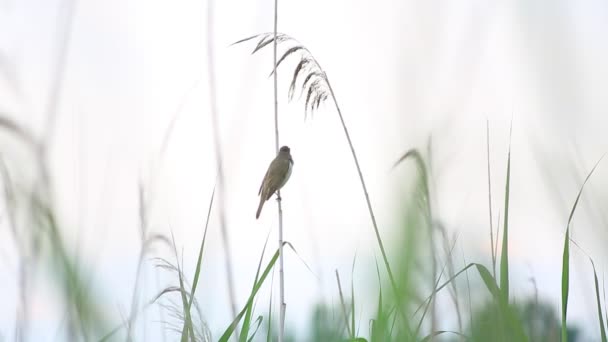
{"points": [[566, 257], [135, 295], [350, 331], [218, 157], [431, 232], [490, 201], [283, 305], [313, 102], [188, 325], [504, 258], [367, 200]]}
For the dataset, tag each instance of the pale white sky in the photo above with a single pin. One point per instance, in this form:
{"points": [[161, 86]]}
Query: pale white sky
{"points": [[402, 71]]}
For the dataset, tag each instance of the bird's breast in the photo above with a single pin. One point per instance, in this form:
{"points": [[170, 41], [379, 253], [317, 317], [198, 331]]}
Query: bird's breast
{"points": [[288, 174]]}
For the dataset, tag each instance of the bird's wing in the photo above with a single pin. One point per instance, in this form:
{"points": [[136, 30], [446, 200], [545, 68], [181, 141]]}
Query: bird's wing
{"points": [[275, 178], [263, 181]]}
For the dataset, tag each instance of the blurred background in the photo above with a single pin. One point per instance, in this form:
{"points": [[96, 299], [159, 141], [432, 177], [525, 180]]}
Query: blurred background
{"points": [[117, 94]]}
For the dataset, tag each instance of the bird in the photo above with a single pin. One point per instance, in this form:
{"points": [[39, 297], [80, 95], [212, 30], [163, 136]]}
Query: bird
{"points": [[276, 176]]}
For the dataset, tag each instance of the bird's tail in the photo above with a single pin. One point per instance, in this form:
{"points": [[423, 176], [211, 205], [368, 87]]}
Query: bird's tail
{"points": [[262, 200]]}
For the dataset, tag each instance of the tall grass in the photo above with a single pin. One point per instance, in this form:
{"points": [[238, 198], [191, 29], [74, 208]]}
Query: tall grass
{"points": [[566, 259], [40, 242], [504, 258], [405, 313]]}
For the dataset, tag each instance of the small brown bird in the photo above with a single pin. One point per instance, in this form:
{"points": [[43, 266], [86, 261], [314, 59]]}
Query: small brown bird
{"points": [[277, 175]]}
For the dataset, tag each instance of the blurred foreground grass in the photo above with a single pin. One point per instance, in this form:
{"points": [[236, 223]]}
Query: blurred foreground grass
{"points": [[406, 309]]}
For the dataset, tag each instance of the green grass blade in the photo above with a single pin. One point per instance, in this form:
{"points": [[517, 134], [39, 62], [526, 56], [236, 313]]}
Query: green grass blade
{"points": [[249, 313], [468, 293], [187, 332], [352, 302], [350, 332], [504, 256], [599, 304], [258, 323], [86, 314], [199, 262], [488, 280], [379, 326], [490, 199], [188, 329], [566, 257], [428, 303], [439, 288], [565, 284], [432, 335], [228, 332], [604, 295], [516, 327], [269, 332], [515, 330]]}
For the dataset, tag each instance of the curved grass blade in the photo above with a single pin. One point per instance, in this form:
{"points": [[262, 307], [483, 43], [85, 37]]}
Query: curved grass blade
{"points": [[269, 330], [379, 325], [199, 261], [228, 332], [439, 288], [488, 280], [435, 285], [440, 332], [352, 296], [516, 330], [566, 257], [350, 332], [599, 303], [257, 323], [188, 330], [504, 254], [490, 199], [249, 313]]}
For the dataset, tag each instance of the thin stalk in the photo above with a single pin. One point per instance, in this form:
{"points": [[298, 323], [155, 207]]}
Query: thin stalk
{"points": [[218, 156], [197, 271], [431, 232], [143, 225], [321, 74], [135, 295], [282, 304], [504, 257], [161, 314], [490, 201], [367, 200], [351, 333]]}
